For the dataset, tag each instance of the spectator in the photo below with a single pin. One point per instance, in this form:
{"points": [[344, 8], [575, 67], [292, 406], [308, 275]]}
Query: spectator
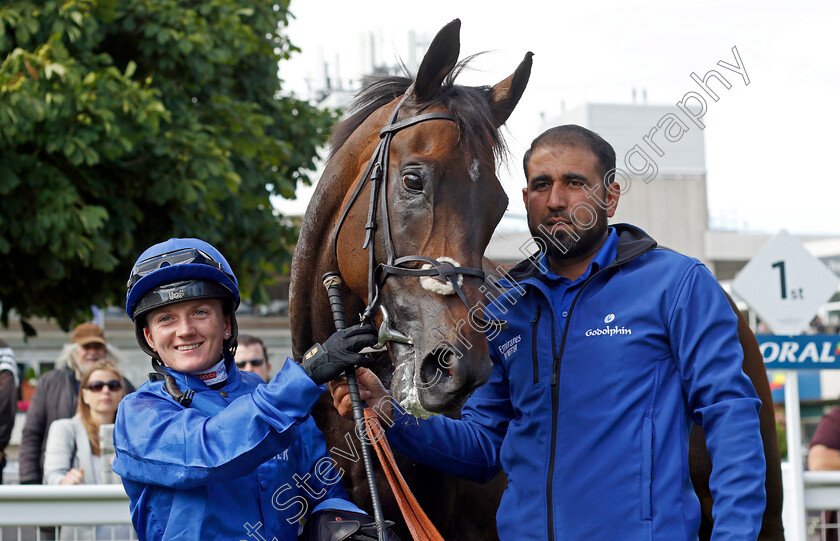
{"points": [[252, 356], [825, 455], [73, 455], [825, 445], [8, 399], [57, 393]]}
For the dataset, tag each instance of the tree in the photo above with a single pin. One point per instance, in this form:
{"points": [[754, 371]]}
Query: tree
{"points": [[123, 123]]}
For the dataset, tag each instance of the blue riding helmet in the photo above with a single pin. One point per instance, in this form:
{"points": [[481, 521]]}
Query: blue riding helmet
{"points": [[178, 260], [175, 271]]}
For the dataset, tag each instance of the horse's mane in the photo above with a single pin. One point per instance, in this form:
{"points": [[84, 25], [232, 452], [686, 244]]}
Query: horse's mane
{"points": [[469, 105]]}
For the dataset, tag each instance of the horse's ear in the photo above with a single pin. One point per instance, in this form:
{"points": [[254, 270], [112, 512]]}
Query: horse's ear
{"points": [[438, 61], [506, 94]]}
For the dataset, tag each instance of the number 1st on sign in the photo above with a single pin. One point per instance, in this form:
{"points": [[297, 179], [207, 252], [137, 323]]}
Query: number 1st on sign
{"points": [[775, 280], [795, 293]]}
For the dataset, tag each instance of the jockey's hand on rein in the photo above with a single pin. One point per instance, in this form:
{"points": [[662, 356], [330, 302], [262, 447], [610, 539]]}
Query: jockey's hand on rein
{"points": [[327, 361]]}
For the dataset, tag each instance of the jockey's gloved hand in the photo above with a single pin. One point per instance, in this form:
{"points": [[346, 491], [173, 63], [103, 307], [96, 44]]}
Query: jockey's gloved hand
{"points": [[334, 525], [328, 361]]}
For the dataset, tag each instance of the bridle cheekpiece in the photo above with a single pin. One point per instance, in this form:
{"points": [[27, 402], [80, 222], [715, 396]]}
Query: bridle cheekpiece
{"points": [[377, 172]]}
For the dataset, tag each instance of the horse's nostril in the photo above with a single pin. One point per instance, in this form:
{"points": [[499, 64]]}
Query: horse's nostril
{"points": [[439, 368]]}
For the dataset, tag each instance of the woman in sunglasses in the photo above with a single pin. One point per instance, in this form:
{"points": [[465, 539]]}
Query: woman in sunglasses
{"points": [[206, 451], [73, 456]]}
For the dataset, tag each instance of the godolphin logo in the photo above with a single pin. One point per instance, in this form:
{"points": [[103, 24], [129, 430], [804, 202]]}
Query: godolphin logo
{"points": [[609, 331]]}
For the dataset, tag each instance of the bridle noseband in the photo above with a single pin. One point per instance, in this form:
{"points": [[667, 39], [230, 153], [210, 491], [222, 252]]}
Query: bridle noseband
{"points": [[377, 172]]}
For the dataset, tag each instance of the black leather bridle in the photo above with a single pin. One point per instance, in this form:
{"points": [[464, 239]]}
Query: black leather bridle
{"points": [[377, 172]]}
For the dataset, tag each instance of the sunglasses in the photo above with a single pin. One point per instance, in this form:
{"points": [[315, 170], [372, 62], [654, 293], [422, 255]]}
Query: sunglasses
{"points": [[177, 257], [254, 362], [97, 386]]}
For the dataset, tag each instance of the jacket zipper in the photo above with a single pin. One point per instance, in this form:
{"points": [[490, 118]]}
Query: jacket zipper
{"points": [[535, 323], [555, 401]]}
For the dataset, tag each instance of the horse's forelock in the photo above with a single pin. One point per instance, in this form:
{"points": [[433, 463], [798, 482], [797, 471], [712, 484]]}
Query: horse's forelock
{"points": [[469, 105], [471, 108]]}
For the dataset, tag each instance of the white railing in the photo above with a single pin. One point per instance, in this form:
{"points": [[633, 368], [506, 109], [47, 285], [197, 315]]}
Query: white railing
{"points": [[822, 500], [45, 505], [822, 490], [26, 509], [83, 505], [821, 493]]}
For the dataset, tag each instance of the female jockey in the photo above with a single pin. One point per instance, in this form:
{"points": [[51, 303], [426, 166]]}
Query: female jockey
{"points": [[206, 451]]}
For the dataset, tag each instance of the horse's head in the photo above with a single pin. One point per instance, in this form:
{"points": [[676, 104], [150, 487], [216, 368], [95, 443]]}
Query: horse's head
{"points": [[439, 201]]}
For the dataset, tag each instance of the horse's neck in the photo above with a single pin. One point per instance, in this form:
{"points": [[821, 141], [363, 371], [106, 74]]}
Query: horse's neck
{"points": [[314, 255], [311, 319]]}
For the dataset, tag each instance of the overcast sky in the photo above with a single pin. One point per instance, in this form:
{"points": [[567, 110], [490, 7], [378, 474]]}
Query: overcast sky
{"points": [[771, 146]]}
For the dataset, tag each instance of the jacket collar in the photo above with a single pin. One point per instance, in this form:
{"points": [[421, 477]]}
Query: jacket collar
{"points": [[189, 381], [632, 243]]}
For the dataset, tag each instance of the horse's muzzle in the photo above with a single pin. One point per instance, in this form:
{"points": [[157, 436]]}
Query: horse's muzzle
{"points": [[445, 380]]}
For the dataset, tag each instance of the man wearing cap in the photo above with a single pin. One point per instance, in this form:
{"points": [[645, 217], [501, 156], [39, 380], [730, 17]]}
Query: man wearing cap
{"points": [[57, 394]]}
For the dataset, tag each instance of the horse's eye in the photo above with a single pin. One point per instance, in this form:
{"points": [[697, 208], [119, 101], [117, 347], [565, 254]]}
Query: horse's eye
{"points": [[412, 182]]}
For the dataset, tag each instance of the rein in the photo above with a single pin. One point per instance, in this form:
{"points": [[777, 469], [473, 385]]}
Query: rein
{"points": [[418, 522], [377, 172]]}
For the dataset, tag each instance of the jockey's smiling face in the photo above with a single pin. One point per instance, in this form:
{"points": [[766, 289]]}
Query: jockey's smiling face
{"points": [[188, 336]]}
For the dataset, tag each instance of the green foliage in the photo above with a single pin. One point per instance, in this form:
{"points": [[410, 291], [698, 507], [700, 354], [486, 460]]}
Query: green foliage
{"points": [[123, 123]]}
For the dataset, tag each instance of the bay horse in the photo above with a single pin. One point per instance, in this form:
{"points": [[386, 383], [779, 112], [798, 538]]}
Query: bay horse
{"points": [[440, 199]]}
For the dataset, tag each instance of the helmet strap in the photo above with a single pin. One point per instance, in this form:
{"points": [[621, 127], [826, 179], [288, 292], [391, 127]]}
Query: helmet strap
{"points": [[169, 384]]}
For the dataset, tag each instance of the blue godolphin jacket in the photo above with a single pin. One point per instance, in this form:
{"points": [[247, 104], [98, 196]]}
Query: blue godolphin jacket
{"points": [[246, 462], [594, 389]]}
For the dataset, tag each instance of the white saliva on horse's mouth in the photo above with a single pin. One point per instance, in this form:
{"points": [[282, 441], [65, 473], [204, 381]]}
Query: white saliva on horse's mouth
{"points": [[411, 404], [407, 383]]}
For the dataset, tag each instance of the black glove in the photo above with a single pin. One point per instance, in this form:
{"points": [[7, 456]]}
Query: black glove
{"points": [[339, 352], [333, 525]]}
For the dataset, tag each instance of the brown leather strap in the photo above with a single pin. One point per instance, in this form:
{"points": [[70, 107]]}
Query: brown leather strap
{"points": [[419, 525]]}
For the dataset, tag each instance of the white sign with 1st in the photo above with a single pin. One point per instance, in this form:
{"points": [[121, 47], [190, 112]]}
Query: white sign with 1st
{"points": [[785, 284]]}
